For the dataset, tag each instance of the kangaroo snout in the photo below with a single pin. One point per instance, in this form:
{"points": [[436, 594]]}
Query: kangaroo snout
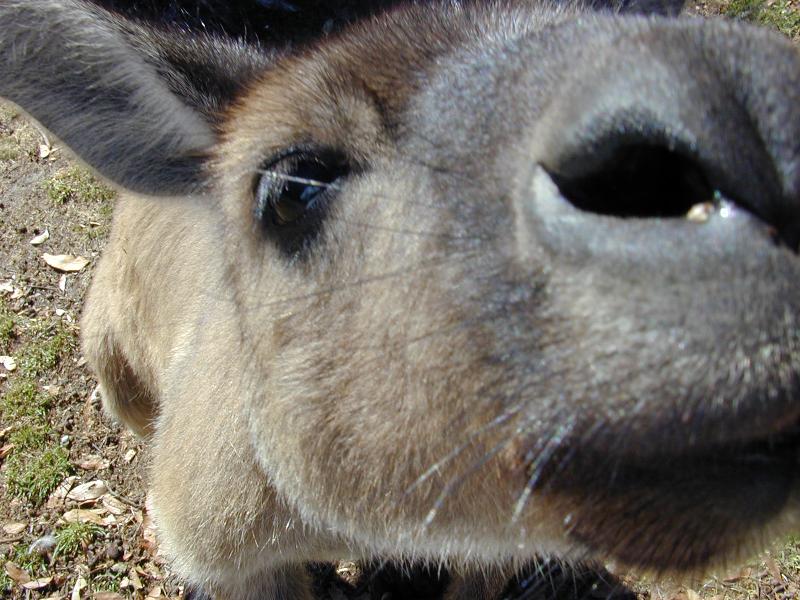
{"points": [[532, 272]]}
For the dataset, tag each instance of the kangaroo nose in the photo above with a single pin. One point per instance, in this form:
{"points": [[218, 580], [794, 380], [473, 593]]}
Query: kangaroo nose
{"points": [[665, 135]]}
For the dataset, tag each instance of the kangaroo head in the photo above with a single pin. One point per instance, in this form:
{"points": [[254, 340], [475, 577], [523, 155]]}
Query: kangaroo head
{"points": [[491, 280]]}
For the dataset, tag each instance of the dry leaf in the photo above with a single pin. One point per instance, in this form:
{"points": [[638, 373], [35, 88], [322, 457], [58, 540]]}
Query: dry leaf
{"points": [[9, 364], [85, 515], [692, 595], [130, 455], [80, 585], [155, 592], [107, 596], [52, 390], [18, 575], [59, 496], [40, 239], [14, 528], [7, 287], [4, 451], [62, 282], [87, 492], [136, 582], [65, 262], [44, 150], [92, 462], [37, 584], [113, 505]]}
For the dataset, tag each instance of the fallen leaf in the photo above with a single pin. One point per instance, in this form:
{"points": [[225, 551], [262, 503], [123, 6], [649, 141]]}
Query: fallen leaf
{"points": [[5, 450], [62, 282], [65, 262], [59, 496], [52, 390], [40, 239], [114, 505], [85, 515], [136, 582], [7, 287], [37, 584], [80, 585], [18, 575], [14, 528], [107, 596], [155, 592], [130, 455], [92, 462], [44, 150], [87, 492], [9, 364]]}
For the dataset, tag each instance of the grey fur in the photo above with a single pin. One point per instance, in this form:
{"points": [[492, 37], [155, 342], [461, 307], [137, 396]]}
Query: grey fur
{"points": [[480, 356]]}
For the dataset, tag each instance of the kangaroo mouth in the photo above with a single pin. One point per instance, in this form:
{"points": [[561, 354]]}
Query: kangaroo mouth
{"points": [[683, 512]]}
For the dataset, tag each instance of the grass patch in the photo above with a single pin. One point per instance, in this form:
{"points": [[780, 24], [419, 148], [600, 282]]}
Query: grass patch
{"points": [[49, 345], [75, 537], [24, 400], [780, 14], [790, 555], [32, 562], [5, 581], [107, 581], [30, 437], [33, 475], [75, 183], [8, 323]]}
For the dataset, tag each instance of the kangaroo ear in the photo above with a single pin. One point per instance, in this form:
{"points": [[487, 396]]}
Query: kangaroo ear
{"points": [[668, 8], [125, 99]]}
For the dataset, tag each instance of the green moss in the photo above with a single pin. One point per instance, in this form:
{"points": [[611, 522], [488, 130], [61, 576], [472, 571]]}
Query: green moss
{"points": [[779, 15], [23, 400], [33, 475], [75, 537], [75, 183]]}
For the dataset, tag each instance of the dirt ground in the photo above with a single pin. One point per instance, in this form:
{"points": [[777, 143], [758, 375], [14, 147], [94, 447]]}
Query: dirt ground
{"points": [[73, 515]]}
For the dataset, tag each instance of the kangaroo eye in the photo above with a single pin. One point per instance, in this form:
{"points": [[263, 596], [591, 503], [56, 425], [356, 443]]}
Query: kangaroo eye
{"points": [[293, 194]]}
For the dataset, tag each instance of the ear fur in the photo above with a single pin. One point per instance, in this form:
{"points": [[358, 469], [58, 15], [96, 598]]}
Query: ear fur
{"points": [[134, 104]]}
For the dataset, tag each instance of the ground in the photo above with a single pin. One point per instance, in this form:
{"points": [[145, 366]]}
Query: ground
{"points": [[73, 515]]}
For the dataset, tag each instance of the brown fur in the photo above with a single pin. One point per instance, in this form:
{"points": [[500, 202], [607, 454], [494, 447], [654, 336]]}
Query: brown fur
{"points": [[458, 368]]}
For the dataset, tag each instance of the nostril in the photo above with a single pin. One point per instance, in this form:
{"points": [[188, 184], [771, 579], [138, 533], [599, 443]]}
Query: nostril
{"points": [[637, 180]]}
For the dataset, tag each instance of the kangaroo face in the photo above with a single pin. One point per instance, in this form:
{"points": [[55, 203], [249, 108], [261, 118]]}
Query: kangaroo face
{"points": [[491, 281]]}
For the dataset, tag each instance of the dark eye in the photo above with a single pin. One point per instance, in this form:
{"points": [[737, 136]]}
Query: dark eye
{"points": [[293, 194]]}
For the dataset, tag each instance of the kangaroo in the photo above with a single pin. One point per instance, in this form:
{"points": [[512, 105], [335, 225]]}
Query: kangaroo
{"points": [[461, 283]]}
